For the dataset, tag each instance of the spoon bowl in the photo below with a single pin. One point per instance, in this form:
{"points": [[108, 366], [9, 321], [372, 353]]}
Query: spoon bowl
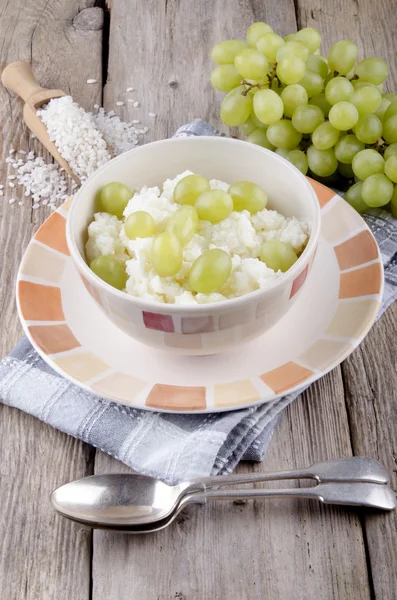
{"points": [[118, 499]]}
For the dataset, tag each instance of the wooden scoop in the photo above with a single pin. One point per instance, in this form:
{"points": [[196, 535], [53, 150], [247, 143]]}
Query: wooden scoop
{"points": [[18, 77]]}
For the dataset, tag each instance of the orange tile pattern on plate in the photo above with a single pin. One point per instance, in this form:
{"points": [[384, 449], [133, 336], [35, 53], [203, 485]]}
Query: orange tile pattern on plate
{"points": [[361, 282], [174, 397], [324, 194], [121, 386], [81, 365], [232, 394], [33, 261], [53, 233], [340, 222], [323, 352], [40, 302], [351, 318], [357, 250], [285, 377], [53, 338]]}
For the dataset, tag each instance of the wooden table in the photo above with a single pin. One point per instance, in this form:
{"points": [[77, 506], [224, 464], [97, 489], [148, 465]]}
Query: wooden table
{"points": [[247, 551]]}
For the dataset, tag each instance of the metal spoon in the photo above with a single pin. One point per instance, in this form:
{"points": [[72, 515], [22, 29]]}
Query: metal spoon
{"points": [[370, 495], [133, 500]]}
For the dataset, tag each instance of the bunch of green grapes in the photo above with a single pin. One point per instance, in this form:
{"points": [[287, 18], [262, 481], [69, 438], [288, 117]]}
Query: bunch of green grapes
{"points": [[328, 116]]}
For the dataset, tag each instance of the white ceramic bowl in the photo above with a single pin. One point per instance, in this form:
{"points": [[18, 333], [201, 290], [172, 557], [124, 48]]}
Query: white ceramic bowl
{"points": [[209, 328]]}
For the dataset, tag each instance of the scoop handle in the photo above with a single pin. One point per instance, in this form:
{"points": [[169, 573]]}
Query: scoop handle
{"points": [[18, 78]]}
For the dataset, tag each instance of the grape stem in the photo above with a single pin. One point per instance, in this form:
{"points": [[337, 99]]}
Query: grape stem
{"points": [[251, 86], [271, 76]]}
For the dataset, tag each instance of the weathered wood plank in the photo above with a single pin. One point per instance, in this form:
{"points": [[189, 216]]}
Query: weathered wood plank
{"points": [[161, 48], [280, 548], [41, 555], [371, 397]]}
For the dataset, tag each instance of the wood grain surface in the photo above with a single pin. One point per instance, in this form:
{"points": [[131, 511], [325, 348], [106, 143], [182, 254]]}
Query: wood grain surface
{"points": [[248, 551], [41, 556]]}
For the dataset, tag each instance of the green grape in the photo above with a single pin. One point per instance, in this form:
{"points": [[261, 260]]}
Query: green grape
{"points": [[225, 78], [309, 37], [393, 203], [377, 190], [268, 44], [268, 106], [214, 206], [366, 100], [188, 189], [110, 270], [368, 129], [390, 130], [322, 162], [367, 163], [282, 152], [329, 78], [313, 83], [325, 136], [255, 31], [342, 56], [251, 64], [390, 151], [321, 101], [259, 137], [113, 198], [391, 110], [391, 168], [210, 271], [292, 97], [338, 90], [343, 116], [248, 127], [290, 37], [347, 147], [353, 197], [346, 170], [307, 118], [318, 65], [390, 97], [290, 69], [357, 84], [225, 52], [381, 110], [166, 255], [183, 223], [292, 48], [283, 135], [374, 70], [279, 256], [254, 119], [247, 196], [299, 160], [140, 224], [235, 107]]}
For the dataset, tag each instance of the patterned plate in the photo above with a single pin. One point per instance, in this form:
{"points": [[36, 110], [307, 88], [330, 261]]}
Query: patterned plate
{"points": [[332, 315]]}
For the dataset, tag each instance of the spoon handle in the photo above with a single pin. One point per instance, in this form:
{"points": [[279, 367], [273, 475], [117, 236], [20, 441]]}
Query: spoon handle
{"points": [[372, 495], [354, 468]]}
